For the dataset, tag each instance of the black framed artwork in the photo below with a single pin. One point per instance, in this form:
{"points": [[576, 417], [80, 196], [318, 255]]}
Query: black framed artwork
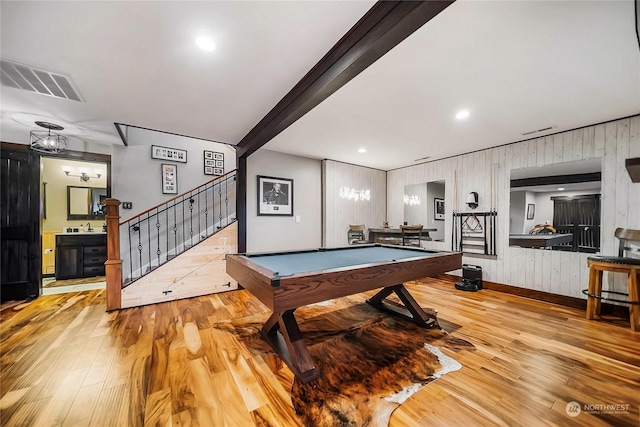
{"points": [[213, 163], [169, 178], [438, 209], [165, 153], [531, 210], [275, 196]]}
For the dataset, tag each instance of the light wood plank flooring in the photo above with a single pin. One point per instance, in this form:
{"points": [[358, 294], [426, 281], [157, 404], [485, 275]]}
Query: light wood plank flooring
{"points": [[66, 362]]}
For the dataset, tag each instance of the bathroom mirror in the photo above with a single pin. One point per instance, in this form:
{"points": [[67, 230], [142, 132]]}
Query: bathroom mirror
{"points": [[85, 203], [424, 204], [556, 207]]}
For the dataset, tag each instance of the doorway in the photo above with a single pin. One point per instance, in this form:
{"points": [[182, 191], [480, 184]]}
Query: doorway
{"points": [[72, 191]]}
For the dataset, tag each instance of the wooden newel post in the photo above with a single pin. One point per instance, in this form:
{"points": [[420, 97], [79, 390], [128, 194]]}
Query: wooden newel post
{"points": [[113, 265]]}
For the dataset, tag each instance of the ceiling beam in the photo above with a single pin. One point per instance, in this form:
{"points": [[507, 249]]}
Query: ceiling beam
{"points": [[383, 27]]}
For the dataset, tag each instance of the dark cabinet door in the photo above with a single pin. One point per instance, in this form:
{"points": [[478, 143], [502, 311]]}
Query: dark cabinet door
{"points": [[580, 216], [69, 262]]}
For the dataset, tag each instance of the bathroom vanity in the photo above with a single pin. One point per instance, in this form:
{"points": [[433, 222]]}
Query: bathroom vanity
{"points": [[80, 255]]}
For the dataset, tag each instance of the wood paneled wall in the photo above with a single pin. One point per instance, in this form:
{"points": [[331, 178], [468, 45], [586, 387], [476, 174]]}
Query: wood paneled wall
{"points": [[339, 212], [487, 172]]}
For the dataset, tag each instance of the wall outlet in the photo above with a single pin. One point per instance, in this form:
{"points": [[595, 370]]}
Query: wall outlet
{"points": [[127, 205]]}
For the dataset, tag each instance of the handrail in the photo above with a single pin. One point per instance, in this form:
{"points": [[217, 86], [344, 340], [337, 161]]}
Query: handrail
{"points": [[217, 178]]}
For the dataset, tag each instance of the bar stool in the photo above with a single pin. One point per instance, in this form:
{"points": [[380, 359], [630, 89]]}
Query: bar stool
{"points": [[355, 235], [617, 264]]}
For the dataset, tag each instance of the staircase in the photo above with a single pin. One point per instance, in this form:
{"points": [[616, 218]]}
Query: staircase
{"points": [[174, 250]]}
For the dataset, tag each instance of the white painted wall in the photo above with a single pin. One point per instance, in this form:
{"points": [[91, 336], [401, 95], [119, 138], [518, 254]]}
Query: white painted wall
{"points": [[57, 182], [487, 172], [275, 233], [416, 205], [339, 211], [517, 212], [137, 177]]}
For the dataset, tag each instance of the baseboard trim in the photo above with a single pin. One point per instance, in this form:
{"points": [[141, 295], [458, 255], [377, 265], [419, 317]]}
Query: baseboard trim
{"points": [[578, 303]]}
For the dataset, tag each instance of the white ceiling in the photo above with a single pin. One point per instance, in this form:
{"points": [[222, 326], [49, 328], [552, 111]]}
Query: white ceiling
{"points": [[517, 66]]}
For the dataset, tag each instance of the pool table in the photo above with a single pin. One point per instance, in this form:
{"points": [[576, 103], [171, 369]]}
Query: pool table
{"points": [[284, 281]]}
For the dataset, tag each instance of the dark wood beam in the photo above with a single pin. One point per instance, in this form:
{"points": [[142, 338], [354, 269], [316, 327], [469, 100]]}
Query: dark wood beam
{"points": [[383, 27], [557, 179]]}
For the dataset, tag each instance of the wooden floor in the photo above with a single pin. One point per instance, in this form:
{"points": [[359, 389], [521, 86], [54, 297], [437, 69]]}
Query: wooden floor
{"points": [[66, 362]]}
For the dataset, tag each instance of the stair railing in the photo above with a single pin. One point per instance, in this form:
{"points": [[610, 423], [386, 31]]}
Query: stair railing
{"points": [[157, 235]]}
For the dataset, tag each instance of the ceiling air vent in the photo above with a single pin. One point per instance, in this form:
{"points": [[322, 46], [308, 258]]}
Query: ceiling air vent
{"points": [[538, 131], [21, 76]]}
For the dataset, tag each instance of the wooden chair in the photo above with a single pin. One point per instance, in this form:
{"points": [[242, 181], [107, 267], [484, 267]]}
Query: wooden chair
{"points": [[411, 235], [355, 235], [628, 264]]}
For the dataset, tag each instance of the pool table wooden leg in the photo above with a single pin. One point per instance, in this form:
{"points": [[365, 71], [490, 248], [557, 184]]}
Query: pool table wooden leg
{"points": [[411, 310], [281, 331]]}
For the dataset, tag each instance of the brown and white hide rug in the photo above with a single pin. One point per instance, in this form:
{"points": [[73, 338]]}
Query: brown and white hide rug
{"points": [[370, 361]]}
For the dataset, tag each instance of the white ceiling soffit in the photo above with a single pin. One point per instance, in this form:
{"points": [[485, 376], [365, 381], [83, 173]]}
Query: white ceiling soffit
{"points": [[19, 76]]}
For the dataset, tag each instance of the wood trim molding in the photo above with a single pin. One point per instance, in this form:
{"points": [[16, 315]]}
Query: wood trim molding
{"points": [[581, 304]]}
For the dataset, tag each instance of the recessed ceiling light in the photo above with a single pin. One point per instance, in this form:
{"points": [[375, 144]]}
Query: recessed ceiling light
{"points": [[462, 114], [560, 188], [205, 43], [362, 150]]}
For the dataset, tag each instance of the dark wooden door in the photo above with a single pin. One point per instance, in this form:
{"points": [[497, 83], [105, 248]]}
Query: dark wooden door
{"points": [[20, 271], [580, 216]]}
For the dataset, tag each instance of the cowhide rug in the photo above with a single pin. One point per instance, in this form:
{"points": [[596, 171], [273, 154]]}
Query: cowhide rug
{"points": [[370, 361]]}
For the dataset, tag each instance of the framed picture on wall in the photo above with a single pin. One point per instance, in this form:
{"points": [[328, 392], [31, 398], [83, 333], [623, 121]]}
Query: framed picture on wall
{"points": [[213, 163], [275, 196], [165, 153], [169, 178], [438, 209], [531, 210]]}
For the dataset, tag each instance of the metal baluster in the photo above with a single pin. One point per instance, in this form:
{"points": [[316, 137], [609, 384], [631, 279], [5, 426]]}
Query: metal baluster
{"points": [[158, 238], [220, 204], [198, 217], [206, 210], [149, 240], [226, 200], [139, 248]]}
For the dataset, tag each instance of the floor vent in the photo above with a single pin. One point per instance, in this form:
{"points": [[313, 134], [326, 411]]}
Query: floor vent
{"points": [[24, 77]]}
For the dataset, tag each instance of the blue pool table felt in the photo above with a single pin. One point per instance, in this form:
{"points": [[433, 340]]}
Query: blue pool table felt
{"points": [[305, 262]]}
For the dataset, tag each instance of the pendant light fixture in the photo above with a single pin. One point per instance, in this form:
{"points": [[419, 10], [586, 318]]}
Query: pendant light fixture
{"points": [[47, 141]]}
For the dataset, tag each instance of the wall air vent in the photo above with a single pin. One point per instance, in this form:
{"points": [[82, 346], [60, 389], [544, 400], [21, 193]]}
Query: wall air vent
{"points": [[538, 131], [24, 77]]}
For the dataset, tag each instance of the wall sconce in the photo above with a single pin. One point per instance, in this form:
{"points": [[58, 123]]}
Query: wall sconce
{"points": [[45, 141], [84, 173], [472, 200]]}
